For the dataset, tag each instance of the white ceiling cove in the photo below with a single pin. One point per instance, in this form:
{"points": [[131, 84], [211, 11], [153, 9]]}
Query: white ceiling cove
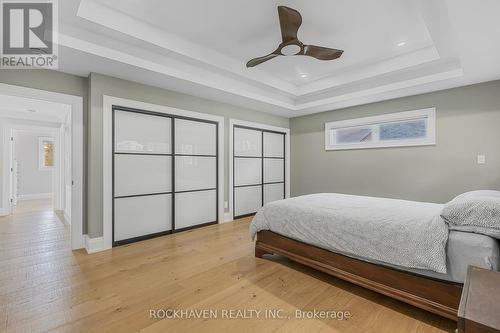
{"points": [[392, 48]]}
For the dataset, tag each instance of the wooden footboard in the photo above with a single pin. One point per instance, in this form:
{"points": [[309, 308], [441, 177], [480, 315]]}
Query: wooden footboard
{"points": [[437, 296]]}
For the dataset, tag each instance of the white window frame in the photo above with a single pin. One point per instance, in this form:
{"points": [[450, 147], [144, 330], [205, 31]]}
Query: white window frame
{"points": [[41, 140], [430, 139]]}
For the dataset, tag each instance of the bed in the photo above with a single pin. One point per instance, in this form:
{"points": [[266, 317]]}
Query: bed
{"points": [[399, 248]]}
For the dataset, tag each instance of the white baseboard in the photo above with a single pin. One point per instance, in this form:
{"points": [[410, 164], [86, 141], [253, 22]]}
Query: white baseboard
{"points": [[93, 245], [66, 221], [67, 218], [34, 196], [227, 217], [4, 212]]}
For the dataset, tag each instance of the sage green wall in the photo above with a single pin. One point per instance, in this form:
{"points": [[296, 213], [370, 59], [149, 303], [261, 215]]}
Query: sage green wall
{"points": [[104, 85], [46, 80], [92, 90], [468, 123], [51, 81]]}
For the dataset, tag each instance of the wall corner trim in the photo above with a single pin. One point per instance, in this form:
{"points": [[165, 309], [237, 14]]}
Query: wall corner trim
{"points": [[93, 245]]}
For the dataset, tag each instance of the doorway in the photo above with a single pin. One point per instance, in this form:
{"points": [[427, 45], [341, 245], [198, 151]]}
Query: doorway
{"points": [[42, 156], [35, 169]]}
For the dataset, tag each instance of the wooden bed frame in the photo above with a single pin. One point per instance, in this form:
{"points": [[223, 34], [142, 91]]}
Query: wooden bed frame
{"points": [[437, 296]]}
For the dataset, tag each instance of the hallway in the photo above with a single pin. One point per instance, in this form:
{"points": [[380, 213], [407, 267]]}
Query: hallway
{"points": [[34, 246], [33, 228]]}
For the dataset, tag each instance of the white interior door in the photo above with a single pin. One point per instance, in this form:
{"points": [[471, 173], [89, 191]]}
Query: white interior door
{"points": [[195, 173], [258, 169], [67, 177], [14, 174], [142, 175]]}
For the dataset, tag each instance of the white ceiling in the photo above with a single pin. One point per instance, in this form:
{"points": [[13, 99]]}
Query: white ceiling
{"points": [[32, 109], [200, 47], [245, 29]]}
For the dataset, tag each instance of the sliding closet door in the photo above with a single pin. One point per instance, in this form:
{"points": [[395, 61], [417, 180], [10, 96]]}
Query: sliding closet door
{"points": [[258, 169], [274, 166], [247, 172], [165, 174], [142, 177], [195, 173]]}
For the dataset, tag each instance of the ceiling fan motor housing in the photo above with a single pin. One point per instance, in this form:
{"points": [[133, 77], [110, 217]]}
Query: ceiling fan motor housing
{"points": [[291, 48]]}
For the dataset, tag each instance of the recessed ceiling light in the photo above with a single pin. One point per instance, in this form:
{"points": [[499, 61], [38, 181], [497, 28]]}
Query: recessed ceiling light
{"points": [[303, 75], [401, 43]]}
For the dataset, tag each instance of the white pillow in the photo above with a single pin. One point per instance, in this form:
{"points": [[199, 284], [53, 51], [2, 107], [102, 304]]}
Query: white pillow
{"points": [[479, 193], [475, 211]]}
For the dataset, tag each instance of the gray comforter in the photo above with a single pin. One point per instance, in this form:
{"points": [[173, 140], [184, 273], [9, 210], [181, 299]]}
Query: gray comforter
{"points": [[404, 233]]}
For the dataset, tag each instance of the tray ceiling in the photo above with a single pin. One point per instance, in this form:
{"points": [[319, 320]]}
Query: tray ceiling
{"points": [[393, 48]]}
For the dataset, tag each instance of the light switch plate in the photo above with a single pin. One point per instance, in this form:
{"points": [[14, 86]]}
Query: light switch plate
{"points": [[481, 159]]}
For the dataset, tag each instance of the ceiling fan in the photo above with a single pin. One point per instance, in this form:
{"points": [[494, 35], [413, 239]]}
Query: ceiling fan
{"points": [[290, 21]]}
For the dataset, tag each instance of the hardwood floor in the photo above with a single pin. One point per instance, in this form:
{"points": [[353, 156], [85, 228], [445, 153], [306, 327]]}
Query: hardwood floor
{"points": [[46, 287]]}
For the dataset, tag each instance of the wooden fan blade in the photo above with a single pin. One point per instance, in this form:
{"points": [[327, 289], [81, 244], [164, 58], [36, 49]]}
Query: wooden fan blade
{"points": [[290, 21], [321, 53], [260, 60]]}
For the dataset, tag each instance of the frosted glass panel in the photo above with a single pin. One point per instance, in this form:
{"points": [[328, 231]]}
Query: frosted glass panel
{"points": [[274, 145], [146, 174], [194, 173], [195, 208], [247, 200], [273, 170], [247, 171], [247, 142], [139, 216], [195, 138], [142, 133], [273, 192]]}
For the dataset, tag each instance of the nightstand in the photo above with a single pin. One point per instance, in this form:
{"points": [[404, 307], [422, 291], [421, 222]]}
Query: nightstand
{"points": [[479, 309]]}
